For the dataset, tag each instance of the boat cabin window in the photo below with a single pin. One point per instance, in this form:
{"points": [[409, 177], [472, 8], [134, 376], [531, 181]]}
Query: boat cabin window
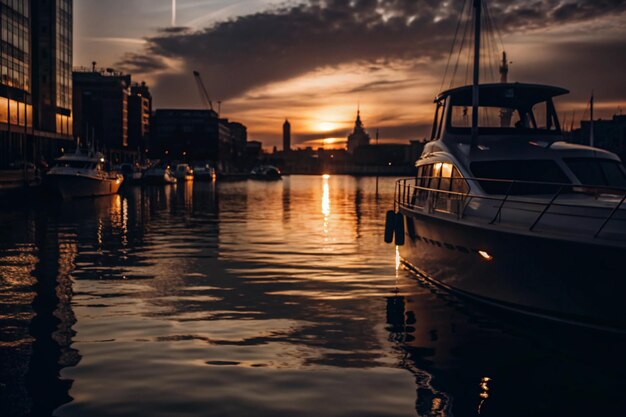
{"points": [[596, 171], [441, 176], [496, 119], [74, 164], [530, 173]]}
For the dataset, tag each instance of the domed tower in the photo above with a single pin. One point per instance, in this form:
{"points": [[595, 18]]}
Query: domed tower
{"points": [[358, 137]]}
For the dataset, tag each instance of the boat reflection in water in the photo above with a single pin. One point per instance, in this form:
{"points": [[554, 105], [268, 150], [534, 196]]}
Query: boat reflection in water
{"points": [[265, 299]]}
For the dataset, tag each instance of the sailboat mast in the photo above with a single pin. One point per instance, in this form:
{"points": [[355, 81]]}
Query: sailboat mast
{"points": [[591, 137], [477, 10]]}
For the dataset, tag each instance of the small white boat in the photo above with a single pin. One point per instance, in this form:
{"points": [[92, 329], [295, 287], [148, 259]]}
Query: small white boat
{"points": [[204, 172], [159, 174], [183, 172], [82, 175], [132, 173], [266, 172]]}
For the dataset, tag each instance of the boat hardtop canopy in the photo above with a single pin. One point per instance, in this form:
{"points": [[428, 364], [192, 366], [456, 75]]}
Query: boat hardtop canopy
{"points": [[516, 150], [80, 156], [514, 95]]}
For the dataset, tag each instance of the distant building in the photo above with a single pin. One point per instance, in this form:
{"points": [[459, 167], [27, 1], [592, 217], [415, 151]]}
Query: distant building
{"points": [[35, 80], [139, 117], [239, 139], [189, 134], [286, 136], [358, 137], [101, 112], [608, 134], [254, 149]]}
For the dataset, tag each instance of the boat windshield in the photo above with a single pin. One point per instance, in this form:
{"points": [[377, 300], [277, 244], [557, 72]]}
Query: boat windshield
{"points": [[75, 164], [529, 172], [505, 120], [597, 171]]}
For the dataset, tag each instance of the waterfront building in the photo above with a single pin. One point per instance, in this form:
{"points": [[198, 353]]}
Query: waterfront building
{"points": [[239, 140], [139, 117], [608, 134], [359, 136], [190, 135], [286, 136], [52, 65], [35, 80], [101, 112]]}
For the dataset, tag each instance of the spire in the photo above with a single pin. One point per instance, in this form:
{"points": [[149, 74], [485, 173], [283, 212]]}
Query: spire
{"points": [[358, 124]]}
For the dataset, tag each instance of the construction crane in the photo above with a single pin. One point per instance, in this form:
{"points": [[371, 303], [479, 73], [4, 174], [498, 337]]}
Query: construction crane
{"points": [[204, 95]]}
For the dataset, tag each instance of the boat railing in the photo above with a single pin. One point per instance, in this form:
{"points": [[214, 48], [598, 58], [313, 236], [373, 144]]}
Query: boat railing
{"points": [[531, 197]]}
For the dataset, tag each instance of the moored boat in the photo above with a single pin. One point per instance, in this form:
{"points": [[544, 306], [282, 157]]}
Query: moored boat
{"points": [[159, 174], [505, 212], [183, 172], [82, 174], [266, 172], [204, 172], [132, 173]]}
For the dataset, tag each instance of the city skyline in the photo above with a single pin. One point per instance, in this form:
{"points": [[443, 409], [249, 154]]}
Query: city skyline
{"points": [[313, 62]]}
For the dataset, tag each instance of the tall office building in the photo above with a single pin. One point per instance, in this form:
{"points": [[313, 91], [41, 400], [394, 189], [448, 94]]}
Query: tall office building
{"points": [[101, 112], [286, 136], [35, 80], [139, 117], [52, 65], [15, 85]]}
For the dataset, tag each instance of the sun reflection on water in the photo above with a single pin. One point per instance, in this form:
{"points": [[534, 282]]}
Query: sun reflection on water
{"points": [[326, 205]]}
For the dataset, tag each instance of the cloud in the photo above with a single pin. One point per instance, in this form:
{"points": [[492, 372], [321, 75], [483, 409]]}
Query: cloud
{"points": [[249, 51]]}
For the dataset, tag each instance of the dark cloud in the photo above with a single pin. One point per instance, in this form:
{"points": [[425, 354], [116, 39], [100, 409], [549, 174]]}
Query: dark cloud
{"points": [[239, 54], [136, 63], [250, 51]]}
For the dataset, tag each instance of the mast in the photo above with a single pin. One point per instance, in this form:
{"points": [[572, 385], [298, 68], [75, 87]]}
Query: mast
{"points": [[591, 138], [475, 91]]}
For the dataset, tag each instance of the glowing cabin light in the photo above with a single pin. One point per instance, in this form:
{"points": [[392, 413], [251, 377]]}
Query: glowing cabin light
{"points": [[101, 159], [485, 255]]}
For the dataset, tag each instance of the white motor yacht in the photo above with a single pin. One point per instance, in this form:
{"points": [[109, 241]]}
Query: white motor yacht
{"points": [[82, 174], [503, 211]]}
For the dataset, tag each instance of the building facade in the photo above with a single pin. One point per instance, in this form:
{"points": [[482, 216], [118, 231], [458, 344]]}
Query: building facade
{"points": [[139, 117], [608, 134], [35, 81], [15, 84], [101, 112], [186, 134], [52, 65]]}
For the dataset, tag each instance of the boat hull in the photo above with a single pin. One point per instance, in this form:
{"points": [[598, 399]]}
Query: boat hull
{"points": [[79, 186], [581, 282]]}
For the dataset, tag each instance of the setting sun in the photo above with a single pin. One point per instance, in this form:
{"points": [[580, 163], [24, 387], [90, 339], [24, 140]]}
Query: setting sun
{"points": [[327, 126]]}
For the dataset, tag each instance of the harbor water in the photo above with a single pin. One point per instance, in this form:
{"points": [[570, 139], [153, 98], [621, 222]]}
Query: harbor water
{"points": [[261, 298]]}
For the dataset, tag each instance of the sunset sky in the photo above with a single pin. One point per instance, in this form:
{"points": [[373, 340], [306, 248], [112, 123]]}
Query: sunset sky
{"points": [[313, 61]]}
